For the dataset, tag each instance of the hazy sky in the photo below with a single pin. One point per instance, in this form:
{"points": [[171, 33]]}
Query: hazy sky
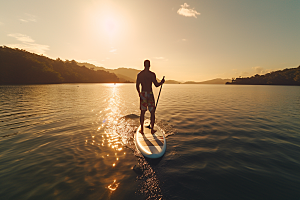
{"points": [[184, 40]]}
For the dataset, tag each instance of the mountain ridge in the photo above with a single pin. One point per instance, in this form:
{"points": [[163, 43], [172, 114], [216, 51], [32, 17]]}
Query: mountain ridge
{"points": [[130, 74], [19, 66]]}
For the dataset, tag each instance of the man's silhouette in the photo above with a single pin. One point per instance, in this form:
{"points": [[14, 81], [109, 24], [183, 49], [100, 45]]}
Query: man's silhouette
{"points": [[146, 78]]}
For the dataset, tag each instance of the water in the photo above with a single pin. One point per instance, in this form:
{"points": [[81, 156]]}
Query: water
{"points": [[75, 141]]}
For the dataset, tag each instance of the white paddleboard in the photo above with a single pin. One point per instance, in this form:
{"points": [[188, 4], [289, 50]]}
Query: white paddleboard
{"points": [[151, 146]]}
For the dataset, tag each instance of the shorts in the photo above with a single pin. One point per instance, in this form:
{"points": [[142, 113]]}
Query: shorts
{"points": [[147, 100]]}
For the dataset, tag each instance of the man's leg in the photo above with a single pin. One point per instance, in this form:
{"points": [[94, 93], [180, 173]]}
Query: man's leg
{"points": [[152, 121], [142, 117]]}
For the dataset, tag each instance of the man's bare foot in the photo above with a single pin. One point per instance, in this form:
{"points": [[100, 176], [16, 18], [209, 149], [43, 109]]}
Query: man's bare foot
{"points": [[153, 131], [141, 131]]}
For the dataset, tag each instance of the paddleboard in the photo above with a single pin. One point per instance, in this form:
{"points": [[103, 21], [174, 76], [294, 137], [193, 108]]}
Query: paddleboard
{"points": [[151, 146]]}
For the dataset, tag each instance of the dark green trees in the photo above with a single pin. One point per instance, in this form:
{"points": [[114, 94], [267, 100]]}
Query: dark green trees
{"points": [[22, 67], [282, 77]]}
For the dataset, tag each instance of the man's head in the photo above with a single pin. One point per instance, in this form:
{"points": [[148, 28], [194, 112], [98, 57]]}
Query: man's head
{"points": [[147, 64]]}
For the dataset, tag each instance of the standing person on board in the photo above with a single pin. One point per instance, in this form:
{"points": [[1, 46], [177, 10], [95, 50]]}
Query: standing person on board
{"points": [[146, 78]]}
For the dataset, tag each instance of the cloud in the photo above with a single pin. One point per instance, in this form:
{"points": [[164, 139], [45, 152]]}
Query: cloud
{"points": [[182, 40], [1, 23], [113, 50], [260, 70], [257, 70], [21, 37], [28, 18], [245, 74], [161, 58], [187, 12], [238, 73], [31, 47], [28, 44]]}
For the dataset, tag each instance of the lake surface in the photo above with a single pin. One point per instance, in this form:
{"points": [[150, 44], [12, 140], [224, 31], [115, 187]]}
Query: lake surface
{"points": [[75, 141]]}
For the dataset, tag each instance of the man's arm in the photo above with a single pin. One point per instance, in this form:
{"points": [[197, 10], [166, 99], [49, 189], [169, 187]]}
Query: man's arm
{"points": [[137, 84], [157, 83]]}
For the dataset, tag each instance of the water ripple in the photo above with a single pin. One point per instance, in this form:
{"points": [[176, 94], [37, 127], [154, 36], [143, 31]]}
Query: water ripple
{"points": [[225, 142]]}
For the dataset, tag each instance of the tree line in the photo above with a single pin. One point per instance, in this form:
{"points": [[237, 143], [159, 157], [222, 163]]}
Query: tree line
{"points": [[281, 77], [22, 67]]}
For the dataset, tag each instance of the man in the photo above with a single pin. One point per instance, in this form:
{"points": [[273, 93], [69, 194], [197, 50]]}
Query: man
{"points": [[146, 78]]}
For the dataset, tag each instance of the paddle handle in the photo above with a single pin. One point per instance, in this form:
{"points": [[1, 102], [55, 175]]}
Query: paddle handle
{"points": [[158, 95]]}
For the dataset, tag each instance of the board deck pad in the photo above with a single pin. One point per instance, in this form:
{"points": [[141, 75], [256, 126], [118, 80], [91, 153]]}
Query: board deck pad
{"points": [[151, 145]]}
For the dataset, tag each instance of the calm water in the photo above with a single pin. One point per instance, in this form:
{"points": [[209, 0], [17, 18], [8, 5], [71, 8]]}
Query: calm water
{"points": [[75, 141]]}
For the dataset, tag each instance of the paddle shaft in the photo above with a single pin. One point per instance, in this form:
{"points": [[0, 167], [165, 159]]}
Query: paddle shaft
{"points": [[156, 102], [158, 95]]}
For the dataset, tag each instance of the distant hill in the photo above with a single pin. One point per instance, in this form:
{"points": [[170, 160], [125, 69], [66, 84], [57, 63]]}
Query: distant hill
{"points": [[213, 81], [172, 82], [281, 77], [124, 74], [22, 67], [127, 72], [91, 66], [129, 75]]}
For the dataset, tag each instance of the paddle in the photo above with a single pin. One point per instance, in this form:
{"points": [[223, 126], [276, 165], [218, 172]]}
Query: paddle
{"points": [[158, 95], [156, 102]]}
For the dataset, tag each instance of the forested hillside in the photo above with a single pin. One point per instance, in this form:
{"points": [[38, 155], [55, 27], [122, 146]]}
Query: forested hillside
{"points": [[124, 74], [22, 67], [282, 77], [213, 81]]}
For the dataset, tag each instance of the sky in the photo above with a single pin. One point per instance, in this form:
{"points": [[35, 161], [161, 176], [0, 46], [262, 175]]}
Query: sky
{"points": [[185, 40]]}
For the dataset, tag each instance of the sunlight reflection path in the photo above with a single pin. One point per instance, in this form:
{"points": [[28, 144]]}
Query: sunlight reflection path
{"points": [[113, 132], [106, 143], [110, 137], [113, 139]]}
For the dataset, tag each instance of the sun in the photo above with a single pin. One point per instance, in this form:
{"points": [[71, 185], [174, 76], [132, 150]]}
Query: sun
{"points": [[110, 26]]}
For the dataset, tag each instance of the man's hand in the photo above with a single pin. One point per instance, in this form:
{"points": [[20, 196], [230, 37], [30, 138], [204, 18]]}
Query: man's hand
{"points": [[162, 81]]}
